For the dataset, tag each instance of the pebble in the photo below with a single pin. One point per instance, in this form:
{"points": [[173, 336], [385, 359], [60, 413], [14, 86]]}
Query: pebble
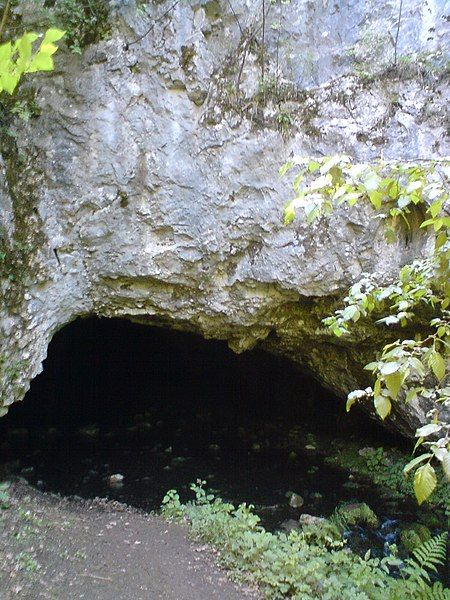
{"points": [[116, 478]]}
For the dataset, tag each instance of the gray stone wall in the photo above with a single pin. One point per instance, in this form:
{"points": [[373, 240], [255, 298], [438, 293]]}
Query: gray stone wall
{"points": [[147, 187]]}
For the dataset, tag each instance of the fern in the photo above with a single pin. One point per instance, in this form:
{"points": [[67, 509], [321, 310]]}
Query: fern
{"points": [[437, 592], [427, 557]]}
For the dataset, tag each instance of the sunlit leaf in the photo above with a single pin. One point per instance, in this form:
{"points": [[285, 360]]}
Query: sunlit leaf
{"points": [[53, 35], [383, 406], [285, 168], [394, 382], [41, 62], [427, 430], [425, 482], [416, 461], [446, 465], [389, 367], [436, 363]]}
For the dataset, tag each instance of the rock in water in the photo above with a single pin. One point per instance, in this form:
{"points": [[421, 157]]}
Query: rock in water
{"points": [[116, 480], [295, 500]]}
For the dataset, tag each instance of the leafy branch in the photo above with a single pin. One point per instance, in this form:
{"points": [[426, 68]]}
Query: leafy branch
{"points": [[406, 369]]}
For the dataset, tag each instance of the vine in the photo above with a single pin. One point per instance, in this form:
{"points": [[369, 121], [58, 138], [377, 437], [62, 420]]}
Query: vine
{"points": [[407, 368]]}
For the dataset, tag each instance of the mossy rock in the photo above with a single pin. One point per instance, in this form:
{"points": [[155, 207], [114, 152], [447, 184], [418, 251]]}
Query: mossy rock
{"points": [[355, 513], [320, 531], [414, 535]]}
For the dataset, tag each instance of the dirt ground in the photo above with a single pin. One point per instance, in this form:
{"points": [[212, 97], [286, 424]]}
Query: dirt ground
{"points": [[64, 549]]}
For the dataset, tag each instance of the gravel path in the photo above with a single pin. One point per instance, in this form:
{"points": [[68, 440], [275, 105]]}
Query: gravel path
{"points": [[63, 549]]}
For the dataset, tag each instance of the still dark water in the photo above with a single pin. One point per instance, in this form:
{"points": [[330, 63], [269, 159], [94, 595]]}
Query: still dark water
{"points": [[163, 409]]}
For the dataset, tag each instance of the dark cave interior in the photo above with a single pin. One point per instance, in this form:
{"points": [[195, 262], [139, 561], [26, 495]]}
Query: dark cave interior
{"points": [[165, 407]]}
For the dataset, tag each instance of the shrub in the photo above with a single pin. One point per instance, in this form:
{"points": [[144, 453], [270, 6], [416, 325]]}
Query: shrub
{"points": [[296, 566]]}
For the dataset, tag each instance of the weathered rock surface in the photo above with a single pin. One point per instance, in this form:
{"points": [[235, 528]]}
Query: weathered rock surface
{"points": [[147, 188]]}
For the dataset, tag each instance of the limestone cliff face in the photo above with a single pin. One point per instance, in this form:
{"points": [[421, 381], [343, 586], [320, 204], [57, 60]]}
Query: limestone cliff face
{"points": [[148, 188]]}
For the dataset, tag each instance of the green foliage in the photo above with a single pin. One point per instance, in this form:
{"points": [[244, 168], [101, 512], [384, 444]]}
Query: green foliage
{"points": [[385, 468], [399, 192], [4, 495], [25, 110], [85, 21], [284, 121], [21, 56], [350, 514], [297, 565], [427, 557], [26, 562], [323, 533], [414, 536]]}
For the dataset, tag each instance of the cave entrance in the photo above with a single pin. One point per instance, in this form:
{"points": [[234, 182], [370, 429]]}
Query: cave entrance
{"points": [[162, 408]]}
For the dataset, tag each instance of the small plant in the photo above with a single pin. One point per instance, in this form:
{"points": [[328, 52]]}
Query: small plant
{"points": [[25, 109], [427, 557], [85, 21], [4, 495], [350, 514], [284, 121], [298, 565], [25, 562]]}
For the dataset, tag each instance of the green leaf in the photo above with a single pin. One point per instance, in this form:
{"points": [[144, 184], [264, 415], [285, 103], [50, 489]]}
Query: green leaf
{"points": [[41, 62], [428, 429], [413, 186], [446, 465], [436, 363], [5, 52], [24, 47], [289, 214], [394, 382], [9, 81], [383, 406], [371, 366], [351, 313], [297, 181], [390, 235], [425, 482], [350, 402], [53, 35], [285, 168], [438, 223], [372, 182], [47, 49], [403, 201], [411, 395], [436, 208], [336, 330], [313, 166], [330, 162], [376, 198], [416, 461], [389, 368], [417, 444], [427, 223]]}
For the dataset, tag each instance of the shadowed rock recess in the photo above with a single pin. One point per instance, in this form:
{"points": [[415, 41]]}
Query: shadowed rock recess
{"points": [[147, 186]]}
